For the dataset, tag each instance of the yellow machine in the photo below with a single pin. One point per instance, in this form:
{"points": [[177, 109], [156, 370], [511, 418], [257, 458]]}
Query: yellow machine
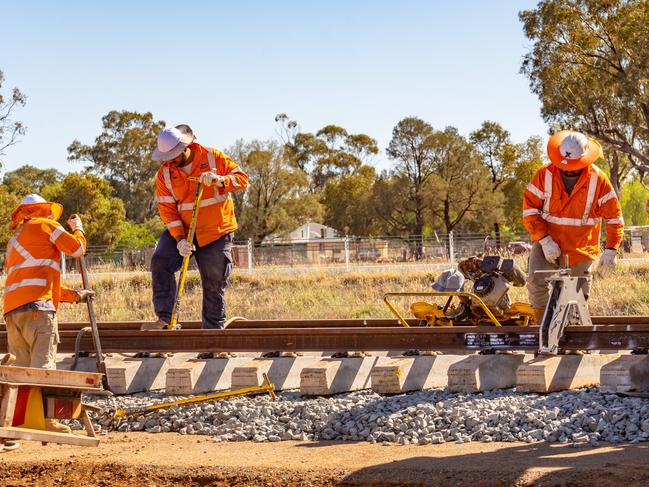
{"points": [[487, 303]]}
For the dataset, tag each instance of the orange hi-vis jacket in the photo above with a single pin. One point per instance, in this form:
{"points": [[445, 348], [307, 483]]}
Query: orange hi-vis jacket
{"points": [[33, 263], [573, 221], [176, 195]]}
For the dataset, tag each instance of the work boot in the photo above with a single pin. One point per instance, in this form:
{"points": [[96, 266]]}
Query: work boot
{"points": [[538, 316], [8, 359], [158, 325], [56, 427]]}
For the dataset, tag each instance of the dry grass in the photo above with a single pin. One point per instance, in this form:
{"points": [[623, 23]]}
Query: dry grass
{"points": [[327, 295]]}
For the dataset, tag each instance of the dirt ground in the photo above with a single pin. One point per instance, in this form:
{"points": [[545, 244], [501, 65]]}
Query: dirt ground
{"points": [[132, 459]]}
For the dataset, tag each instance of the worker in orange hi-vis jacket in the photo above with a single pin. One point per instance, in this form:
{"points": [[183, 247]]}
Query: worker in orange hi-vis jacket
{"points": [[563, 207], [183, 158], [33, 288]]}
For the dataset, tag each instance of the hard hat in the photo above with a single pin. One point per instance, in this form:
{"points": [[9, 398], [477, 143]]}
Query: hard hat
{"points": [[172, 141], [30, 206], [571, 151], [449, 280]]}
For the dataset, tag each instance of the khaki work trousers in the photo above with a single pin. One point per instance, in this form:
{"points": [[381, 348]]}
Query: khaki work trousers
{"points": [[538, 290], [33, 337]]}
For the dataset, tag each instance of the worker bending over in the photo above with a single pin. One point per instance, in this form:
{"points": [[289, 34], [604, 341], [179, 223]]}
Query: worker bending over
{"points": [[33, 288], [183, 159], [562, 210]]}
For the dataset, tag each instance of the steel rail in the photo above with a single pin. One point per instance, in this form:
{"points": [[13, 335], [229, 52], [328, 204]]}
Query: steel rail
{"points": [[322, 323], [621, 337]]}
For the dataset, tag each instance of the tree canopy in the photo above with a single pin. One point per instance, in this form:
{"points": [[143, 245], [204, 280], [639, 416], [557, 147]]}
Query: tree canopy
{"points": [[589, 67], [122, 155]]}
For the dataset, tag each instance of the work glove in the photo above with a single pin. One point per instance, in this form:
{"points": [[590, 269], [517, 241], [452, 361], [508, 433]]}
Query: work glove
{"points": [[84, 294], [184, 247], [607, 262], [74, 223], [210, 177], [551, 249]]}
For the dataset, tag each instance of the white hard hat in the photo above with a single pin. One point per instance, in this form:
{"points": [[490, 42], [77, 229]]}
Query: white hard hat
{"points": [[31, 199], [172, 141]]}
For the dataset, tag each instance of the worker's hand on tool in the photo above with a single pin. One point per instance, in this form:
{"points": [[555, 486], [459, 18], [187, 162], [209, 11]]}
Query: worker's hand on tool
{"points": [[607, 262], [184, 247], [209, 178], [84, 294], [551, 249], [74, 223]]}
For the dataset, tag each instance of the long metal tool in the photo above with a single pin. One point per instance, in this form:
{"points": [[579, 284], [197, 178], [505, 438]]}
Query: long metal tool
{"points": [[246, 391], [101, 365], [173, 324]]}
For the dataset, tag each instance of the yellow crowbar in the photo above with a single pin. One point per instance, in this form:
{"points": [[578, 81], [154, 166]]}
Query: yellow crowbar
{"points": [[173, 324], [246, 391]]}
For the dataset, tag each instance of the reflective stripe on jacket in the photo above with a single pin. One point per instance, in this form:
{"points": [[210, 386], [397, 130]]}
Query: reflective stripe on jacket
{"points": [[573, 221], [33, 262], [176, 195]]}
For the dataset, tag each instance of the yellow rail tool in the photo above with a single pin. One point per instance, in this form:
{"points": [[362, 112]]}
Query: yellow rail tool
{"points": [[173, 324], [246, 391]]}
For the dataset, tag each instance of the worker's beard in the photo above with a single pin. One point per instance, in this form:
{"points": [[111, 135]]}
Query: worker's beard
{"points": [[572, 174]]}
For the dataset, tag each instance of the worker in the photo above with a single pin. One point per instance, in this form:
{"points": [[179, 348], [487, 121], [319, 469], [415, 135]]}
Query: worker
{"points": [[183, 158], [33, 288], [562, 210]]}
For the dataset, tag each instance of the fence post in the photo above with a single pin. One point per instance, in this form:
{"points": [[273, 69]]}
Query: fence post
{"points": [[451, 248], [250, 247], [63, 269], [346, 253]]}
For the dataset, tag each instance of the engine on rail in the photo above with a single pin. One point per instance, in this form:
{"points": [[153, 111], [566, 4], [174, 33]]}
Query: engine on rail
{"points": [[491, 278]]}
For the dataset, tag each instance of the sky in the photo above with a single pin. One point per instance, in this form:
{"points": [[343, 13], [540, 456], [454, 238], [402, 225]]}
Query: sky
{"points": [[227, 68]]}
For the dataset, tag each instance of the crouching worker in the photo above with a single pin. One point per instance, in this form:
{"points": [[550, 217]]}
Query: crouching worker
{"points": [[563, 207], [33, 286]]}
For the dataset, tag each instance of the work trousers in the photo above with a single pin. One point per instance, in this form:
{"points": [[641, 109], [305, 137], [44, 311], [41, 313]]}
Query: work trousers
{"points": [[33, 337], [538, 290], [214, 265]]}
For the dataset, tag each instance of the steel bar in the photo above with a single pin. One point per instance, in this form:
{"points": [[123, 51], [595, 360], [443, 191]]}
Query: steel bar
{"points": [[323, 323], [622, 337], [246, 324]]}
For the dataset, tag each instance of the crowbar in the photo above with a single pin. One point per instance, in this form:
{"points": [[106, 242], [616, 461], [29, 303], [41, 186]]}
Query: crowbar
{"points": [[173, 324]]}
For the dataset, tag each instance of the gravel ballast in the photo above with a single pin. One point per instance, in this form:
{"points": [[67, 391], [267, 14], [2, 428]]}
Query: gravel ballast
{"points": [[584, 416]]}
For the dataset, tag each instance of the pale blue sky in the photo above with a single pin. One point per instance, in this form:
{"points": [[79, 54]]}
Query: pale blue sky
{"points": [[227, 68]]}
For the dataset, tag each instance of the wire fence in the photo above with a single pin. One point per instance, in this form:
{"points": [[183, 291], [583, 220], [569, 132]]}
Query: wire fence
{"points": [[347, 253]]}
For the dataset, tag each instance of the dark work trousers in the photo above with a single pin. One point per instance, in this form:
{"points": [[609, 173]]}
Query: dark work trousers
{"points": [[214, 264]]}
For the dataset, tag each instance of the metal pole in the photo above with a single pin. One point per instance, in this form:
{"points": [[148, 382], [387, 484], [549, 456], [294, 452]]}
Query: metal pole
{"points": [[99, 357], [451, 248], [346, 253], [250, 247]]}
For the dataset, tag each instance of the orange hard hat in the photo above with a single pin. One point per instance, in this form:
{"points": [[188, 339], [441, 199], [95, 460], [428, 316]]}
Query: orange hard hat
{"points": [[33, 206], [570, 150]]}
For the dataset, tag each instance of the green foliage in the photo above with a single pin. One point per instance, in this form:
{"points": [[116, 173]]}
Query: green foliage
{"points": [[29, 179], [8, 203], [122, 155], [633, 201], [497, 152], [136, 235], [330, 153], [10, 129], [277, 199], [348, 203], [529, 158], [589, 67], [89, 196]]}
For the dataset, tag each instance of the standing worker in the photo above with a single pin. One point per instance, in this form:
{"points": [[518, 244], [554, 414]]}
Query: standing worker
{"points": [[33, 288], [562, 210], [212, 246]]}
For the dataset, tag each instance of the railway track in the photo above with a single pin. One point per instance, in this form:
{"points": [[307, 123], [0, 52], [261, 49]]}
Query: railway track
{"points": [[607, 332]]}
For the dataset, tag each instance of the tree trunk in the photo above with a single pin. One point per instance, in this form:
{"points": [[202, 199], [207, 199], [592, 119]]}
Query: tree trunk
{"points": [[615, 173]]}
